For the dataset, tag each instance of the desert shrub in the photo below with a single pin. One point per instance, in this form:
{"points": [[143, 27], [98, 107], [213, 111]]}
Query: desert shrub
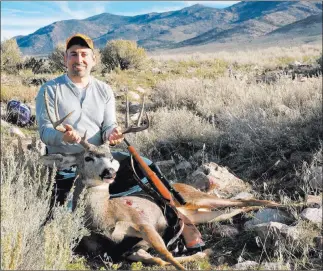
{"points": [[256, 57], [258, 122], [56, 58], [185, 92], [124, 54], [18, 92], [175, 132], [98, 66], [270, 125], [10, 56], [26, 243], [320, 61]]}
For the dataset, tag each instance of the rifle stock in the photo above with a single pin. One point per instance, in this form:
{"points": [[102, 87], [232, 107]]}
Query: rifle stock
{"points": [[163, 187]]}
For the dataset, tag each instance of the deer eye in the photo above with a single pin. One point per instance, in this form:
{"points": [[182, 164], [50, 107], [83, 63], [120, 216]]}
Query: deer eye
{"points": [[88, 159]]}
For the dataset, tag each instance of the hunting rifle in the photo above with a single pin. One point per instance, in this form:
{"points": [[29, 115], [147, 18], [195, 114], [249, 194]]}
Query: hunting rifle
{"points": [[162, 185]]}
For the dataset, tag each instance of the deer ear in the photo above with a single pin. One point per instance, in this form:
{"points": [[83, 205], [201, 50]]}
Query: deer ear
{"points": [[61, 161]]}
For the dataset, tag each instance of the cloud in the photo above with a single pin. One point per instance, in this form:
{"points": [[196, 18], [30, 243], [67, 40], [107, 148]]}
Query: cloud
{"points": [[13, 23], [80, 10], [8, 34], [11, 11], [10, 22]]}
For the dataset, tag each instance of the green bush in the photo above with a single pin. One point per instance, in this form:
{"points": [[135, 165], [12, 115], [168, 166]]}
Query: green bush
{"points": [[10, 56], [124, 54], [56, 58]]}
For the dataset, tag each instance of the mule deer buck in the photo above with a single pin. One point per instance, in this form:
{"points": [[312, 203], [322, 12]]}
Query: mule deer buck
{"points": [[132, 216], [119, 217]]}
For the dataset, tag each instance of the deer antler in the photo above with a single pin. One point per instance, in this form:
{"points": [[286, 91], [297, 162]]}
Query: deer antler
{"points": [[84, 142], [133, 128], [57, 123]]}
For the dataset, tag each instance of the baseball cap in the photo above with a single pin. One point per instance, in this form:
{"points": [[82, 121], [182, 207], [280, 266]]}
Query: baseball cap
{"points": [[80, 39]]}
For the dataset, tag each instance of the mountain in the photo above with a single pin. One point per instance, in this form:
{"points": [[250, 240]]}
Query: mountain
{"points": [[190, 26], [256, 19], [310, 26]]}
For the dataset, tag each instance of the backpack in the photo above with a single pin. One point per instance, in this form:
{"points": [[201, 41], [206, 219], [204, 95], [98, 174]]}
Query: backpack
{"points": [[18, 113]]}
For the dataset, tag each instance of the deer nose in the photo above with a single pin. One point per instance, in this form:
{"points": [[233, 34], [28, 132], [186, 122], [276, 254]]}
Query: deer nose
{"points": [[108, 173]]}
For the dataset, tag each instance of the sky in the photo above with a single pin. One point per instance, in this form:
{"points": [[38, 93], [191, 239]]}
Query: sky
{"points": [[25, 17]]}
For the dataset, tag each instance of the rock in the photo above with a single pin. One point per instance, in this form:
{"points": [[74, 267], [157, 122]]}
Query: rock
{"points": [[225, 231], [275, 266], [313, 201], [243, 195], [215, 176], [247, 265], [184, 165], [273, 231], [268, 215], [15, 131], [312, 214], [202, 181]]}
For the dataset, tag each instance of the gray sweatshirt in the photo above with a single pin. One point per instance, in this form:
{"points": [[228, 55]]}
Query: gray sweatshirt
{"points": [[96, 114]]}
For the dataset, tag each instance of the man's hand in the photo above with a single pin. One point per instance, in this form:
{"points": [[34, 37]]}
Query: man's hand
{"points": [[116, 136], [71, 136]]}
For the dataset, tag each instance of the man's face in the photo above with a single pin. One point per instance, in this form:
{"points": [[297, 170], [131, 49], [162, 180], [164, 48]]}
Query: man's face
{"points": [[79, 61]]}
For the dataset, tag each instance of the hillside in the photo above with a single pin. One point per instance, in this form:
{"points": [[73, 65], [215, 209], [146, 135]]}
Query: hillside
{"points": [[190, 26]]}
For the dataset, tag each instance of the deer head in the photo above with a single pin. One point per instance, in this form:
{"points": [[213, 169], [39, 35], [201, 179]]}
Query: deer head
{"points": [[96, 165]]}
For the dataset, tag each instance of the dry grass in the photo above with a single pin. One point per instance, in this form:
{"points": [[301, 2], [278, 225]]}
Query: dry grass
{"points": [[248, 126], [268, 58], [18, 92], [27, 244], [254, 129]]}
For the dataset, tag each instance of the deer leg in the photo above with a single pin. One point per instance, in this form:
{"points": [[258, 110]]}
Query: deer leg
{"points": [[195, 257], [206, 216], [196, 199], [150, 235], [213, 203], [143, 256]]}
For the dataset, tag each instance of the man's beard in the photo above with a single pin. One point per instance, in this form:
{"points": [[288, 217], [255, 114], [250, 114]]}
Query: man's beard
{"points": [[80, 73]]}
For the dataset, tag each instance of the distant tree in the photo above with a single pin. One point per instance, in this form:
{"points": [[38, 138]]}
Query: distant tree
{"points": [[98, 66], [124, 54], [320, 61], [11, 56], [56, 58]]}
